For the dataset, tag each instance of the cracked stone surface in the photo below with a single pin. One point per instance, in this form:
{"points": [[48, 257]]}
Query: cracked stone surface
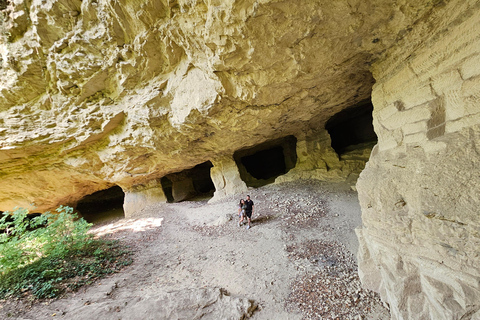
{"points": [[94, 93]]}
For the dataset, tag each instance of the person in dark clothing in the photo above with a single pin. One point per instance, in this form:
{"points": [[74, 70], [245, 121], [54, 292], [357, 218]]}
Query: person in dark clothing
{"points": [[249, 210]]}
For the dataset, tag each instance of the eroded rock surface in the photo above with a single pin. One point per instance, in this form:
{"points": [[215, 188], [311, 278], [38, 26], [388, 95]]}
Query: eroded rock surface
{"points": [[95, 93], [201, 303], [420, 190]]}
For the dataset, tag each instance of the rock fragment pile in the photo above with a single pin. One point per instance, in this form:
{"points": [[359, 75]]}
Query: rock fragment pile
{"points": [[329, 288]]}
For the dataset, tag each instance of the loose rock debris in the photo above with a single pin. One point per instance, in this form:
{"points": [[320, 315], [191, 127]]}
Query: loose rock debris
{"points": [[306, 210], [330, 287]]}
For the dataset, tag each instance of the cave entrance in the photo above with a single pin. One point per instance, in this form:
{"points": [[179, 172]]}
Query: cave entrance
{"points": [[167, 186], [351, 129], [260, 165], [192, 184], [102, 206]]}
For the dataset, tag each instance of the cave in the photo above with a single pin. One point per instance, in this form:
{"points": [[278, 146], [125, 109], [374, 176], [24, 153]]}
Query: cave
{"points": [[260, 165], [167, 186], [190, 184], [102, 205], [265, 164], [352, 128]]}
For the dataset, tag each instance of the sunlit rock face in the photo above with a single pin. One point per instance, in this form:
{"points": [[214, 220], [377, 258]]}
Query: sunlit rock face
{"points": [[100, 93], [420, 191]]}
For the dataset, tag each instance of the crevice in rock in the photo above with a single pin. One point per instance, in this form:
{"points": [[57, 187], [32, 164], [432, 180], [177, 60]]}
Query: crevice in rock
{"points": [[436, 124], [191, 184], [260, 165], [352, 128], [102, 205]]}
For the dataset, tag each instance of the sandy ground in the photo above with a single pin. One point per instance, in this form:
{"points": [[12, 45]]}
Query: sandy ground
{"points": [[192, 261]]}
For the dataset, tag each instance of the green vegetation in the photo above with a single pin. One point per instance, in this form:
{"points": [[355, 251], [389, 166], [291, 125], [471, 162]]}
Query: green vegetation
{"points": [[53, 253]]}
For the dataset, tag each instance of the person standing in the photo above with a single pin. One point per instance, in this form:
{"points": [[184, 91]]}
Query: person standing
{"points": [[249, 210], [241, 211]]}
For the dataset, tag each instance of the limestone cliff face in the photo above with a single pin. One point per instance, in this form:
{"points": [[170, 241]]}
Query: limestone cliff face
{"points": [[420, 190], [97, 93]]}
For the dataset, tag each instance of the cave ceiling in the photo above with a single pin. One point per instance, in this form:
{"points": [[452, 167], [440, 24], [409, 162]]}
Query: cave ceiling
{"points": [[101, 93]]}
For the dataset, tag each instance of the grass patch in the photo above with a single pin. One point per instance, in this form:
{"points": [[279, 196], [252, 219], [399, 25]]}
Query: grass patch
{"points": [[46, 256]]}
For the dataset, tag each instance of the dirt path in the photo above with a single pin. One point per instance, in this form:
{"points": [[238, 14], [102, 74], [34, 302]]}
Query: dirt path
{"points": [[193, 261]]}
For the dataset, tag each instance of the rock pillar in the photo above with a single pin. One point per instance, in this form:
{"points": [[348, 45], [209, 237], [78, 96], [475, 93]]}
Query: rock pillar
{"points": [[182, 187], [140, 196], [226, 178], [316, 159]]}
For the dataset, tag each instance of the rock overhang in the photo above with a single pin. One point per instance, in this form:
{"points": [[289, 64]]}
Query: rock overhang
{"points": [[95, 94]]}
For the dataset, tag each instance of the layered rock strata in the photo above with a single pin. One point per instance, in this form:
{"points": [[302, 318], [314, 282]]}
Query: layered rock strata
{"points": [[420, 240]]}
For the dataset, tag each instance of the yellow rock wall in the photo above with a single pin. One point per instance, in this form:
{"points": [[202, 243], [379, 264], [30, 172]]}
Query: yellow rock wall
{"points": [[420, 240]]}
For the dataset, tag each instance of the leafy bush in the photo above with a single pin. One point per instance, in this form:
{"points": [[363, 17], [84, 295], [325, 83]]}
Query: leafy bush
{"points": [[49, 254]]}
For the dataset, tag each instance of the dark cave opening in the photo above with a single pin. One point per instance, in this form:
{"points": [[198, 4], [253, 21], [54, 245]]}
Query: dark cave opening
{"points": [[202, 181], [352, 128], [9, 219], [190, 184], [102, 205], [167, 186], [263, 163], [4, 4]]}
